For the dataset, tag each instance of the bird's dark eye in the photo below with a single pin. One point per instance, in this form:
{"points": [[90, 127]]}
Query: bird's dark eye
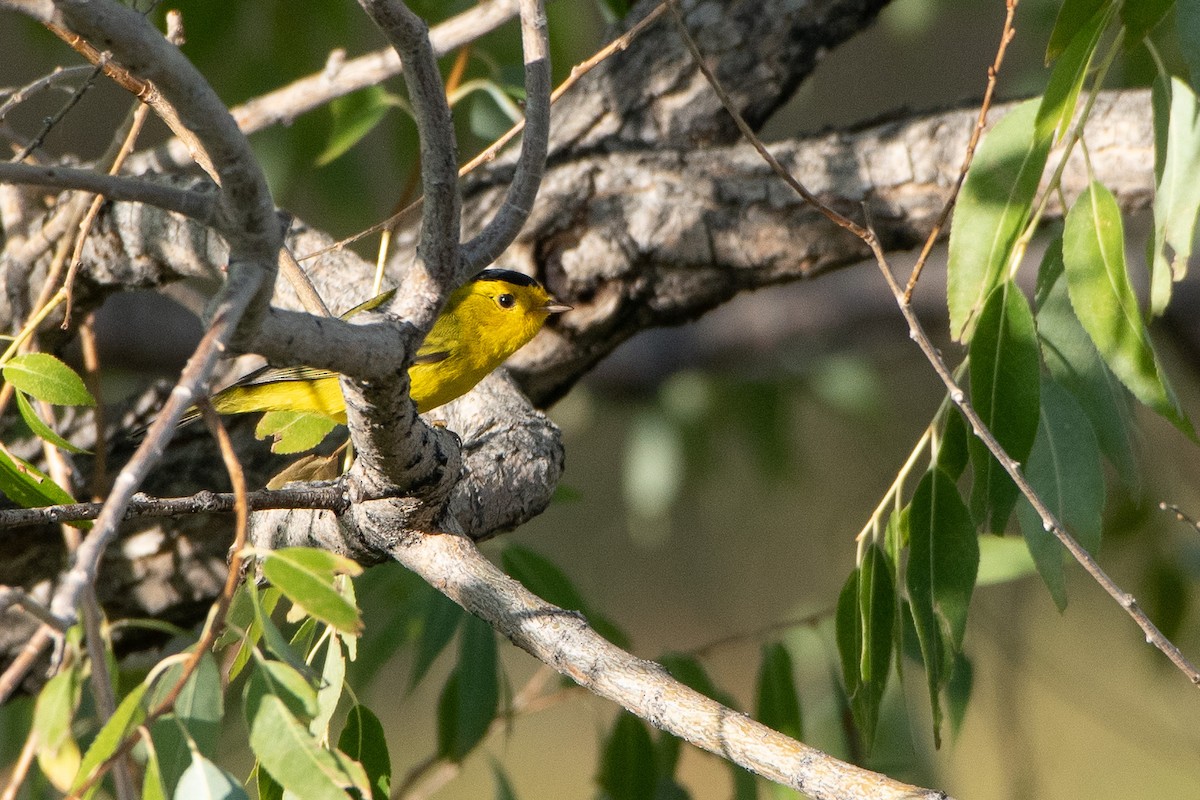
{"points": [[506, 300]]}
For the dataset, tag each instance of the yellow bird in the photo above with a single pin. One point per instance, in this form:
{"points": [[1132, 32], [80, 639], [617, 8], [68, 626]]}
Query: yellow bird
{"points": [[484, 322]]}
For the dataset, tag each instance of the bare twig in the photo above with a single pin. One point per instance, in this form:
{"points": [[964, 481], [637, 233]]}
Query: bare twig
{"points": [[331, 497], [59, 76], [57, 117], [498, 234], [21, 665], [13, 595], [196, 205], [1006, 36], [21, 768]]}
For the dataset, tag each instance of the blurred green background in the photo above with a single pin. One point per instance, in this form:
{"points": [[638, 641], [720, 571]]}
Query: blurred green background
{"points": [[718, 474]]}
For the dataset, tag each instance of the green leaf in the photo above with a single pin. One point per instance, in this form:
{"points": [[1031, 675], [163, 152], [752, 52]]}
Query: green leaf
{"points": [[540, 576], [125, 719], [690, 672], [1177, 192], [943, 563], [778, 703], [1062, 90], [44, 377], [270, 631], [478, 685], [993, 209], [504, 789], [441, 619], [1142, 16], [1073, 362], [627, 763], [53, 713], [1104, 301], [447, 717], [200, 705], [153, 787], [204, 780], [1167, 596], [1064, 470], [242, 626], [1004, 390], [293, 431], [170, 742], [363, 739], [866, 614], [306, 576], [333, 682], [287, 751], [958, 691], [1073, 16], [29, 487], [277, 679], [354, 116], [268, 787], [952, 450], [41, 429]]}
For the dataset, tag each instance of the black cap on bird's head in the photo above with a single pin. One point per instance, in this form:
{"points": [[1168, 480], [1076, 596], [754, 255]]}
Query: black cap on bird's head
{"points": [[506, 275]]}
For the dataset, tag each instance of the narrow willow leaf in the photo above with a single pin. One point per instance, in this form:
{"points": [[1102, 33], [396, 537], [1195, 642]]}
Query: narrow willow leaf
{"points": [[778, 704], [268, 787], [478, 684], [441, 619], [542, 577], [200, 705], [153, 787], [1004, 390], [204, 780], [942, 566], [277, 679], [1104, 301], [125, 719], [287, 751], [1064, 470], [242, 626], [293, 431], [306, 576], [447, 718], [1073, 15], [354, 116], [627, 763], [1073, 362], [29, 487], [958, 691], [745, 786], [57, 753], [333, 681], [504, 789], [866, 613], [44, 377], [41, 429], [952, 455], [1062, 90], [1177, 192], [363, 739], [992, 210], [270, 631], [170, 742]]}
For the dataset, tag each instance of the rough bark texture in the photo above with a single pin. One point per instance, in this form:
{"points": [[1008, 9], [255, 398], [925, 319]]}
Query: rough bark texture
{"points": [[650, 214]]}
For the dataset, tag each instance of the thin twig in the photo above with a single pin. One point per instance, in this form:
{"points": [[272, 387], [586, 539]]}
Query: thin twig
{"points": [[216, 617], [331, 497], [1006, 36], [51, 81], [489, 153], [20, 666], [16, 596], [21, 768], [57, 117], [958, 396], [508, 221]]}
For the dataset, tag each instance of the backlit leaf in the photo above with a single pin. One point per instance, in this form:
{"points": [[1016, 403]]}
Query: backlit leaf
{"points": [[306, 576], [866, 614], [1004, 390], [1062, 90], [1104, 301], [41, 429], [287, 750], [1177, 192], [1073, 362], [125, 719], [29, 487], [1073, 15], [993, 209], [333, 680], [293, 431], [204, 780], [44, 377], [354, 116]]}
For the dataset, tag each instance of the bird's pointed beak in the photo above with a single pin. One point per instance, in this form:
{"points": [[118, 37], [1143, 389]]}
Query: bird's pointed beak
{"points": [[552, 306]]}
